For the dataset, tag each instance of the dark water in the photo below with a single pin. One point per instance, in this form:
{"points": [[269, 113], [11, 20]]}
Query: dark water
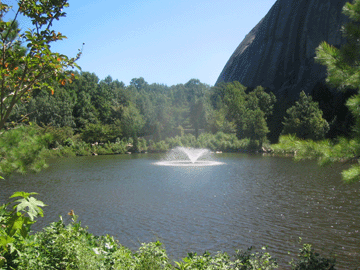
{"points": [[249, 201]]}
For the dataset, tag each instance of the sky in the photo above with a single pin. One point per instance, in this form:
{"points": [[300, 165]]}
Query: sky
{"points": [[164, 41]]}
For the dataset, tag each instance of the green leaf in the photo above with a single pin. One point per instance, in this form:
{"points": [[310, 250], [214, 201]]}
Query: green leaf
{"points": [[15, 224], [5, 240], [33, 207], [22, 194]]}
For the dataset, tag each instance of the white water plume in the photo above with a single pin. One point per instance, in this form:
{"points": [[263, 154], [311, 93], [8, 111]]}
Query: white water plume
{"points": [[186, 156]]}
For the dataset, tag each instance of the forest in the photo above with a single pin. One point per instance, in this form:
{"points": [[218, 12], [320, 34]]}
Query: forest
{"points": [[105, 110]]}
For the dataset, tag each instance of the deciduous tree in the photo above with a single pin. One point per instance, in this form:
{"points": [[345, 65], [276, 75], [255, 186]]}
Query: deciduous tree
{"points": [[23, 71], [249, 111]]}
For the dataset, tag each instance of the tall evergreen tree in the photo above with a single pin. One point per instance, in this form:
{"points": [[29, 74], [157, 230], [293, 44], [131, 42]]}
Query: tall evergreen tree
{"points": [[343, 70], [305, 119]]}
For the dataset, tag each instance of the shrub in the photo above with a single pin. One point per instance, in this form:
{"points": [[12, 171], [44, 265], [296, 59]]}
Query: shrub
{"points": [[82, 149], [100, 133], [60, 136], [119, 147], [310, 260], [142, 145], [222, 261], [15, 227], [60, 247], [219, 261], [260, 260], [160, 146], [152, 256]]}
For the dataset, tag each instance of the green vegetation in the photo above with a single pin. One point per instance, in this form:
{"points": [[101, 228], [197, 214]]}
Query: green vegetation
{"points": [[24, 69], [215, 142], [311, 260], [23, 149], [343, 73], [248, 111], [326, 151], [26, 148], [71, 246], [15, 226], [305, 119]]}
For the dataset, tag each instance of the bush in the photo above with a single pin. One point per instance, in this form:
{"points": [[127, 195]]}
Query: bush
{"points": [[242, 261], [160, 146], [119, 147], [60, 136], [82, 149], [15, 227], [310, 260], [142, 145], [61, 247], [260, 260], [152, 256]]}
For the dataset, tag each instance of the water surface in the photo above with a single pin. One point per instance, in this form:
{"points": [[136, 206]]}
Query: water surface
{"points": [[251, 200]]}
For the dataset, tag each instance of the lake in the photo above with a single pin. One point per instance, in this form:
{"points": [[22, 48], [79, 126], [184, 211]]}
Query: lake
{"points": [[250, 200]]}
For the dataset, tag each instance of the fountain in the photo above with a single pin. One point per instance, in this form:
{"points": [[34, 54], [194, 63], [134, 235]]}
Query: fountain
{"points": [[186, 156]]}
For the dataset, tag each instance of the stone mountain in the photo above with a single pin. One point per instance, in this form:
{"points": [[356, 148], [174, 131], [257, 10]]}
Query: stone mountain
{"points": [[279, 52]]}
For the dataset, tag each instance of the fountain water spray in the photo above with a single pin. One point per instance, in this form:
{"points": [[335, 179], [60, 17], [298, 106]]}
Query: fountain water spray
{"points": [[186, 156]]}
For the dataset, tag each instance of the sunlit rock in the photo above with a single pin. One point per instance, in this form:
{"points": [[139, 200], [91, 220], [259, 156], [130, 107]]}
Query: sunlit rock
{"points": [[279, 51]]}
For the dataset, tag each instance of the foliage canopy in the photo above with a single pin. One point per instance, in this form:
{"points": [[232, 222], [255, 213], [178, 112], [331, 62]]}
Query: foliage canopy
{"points": [[305, 119], [248, 110], [23, 69], [344, 70]]}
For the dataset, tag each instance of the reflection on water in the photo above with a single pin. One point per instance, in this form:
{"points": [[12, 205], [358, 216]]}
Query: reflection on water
{"points": [[248, 201]]}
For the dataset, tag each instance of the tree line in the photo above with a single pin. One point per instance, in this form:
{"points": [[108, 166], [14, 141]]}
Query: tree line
{"points": [[104, 110]]}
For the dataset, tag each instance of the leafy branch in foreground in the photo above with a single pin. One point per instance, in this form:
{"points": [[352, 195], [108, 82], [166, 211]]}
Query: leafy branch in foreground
{"points": [[325, 151], [25, 69], [23, 149], [15, 226], [343, 70]]}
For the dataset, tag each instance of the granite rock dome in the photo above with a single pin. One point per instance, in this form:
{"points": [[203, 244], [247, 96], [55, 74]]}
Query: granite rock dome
{"points": [[279, 51]]}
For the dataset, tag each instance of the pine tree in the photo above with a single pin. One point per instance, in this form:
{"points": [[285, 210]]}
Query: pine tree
{"points": [[305, 119], [343, 70], [343, 65]]}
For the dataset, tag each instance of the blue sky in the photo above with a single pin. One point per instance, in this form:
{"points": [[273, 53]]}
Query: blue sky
{"points": [[164, 41]]}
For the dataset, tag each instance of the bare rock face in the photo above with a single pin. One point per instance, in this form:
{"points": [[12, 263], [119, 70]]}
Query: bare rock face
{"points": [[279, 52]]}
